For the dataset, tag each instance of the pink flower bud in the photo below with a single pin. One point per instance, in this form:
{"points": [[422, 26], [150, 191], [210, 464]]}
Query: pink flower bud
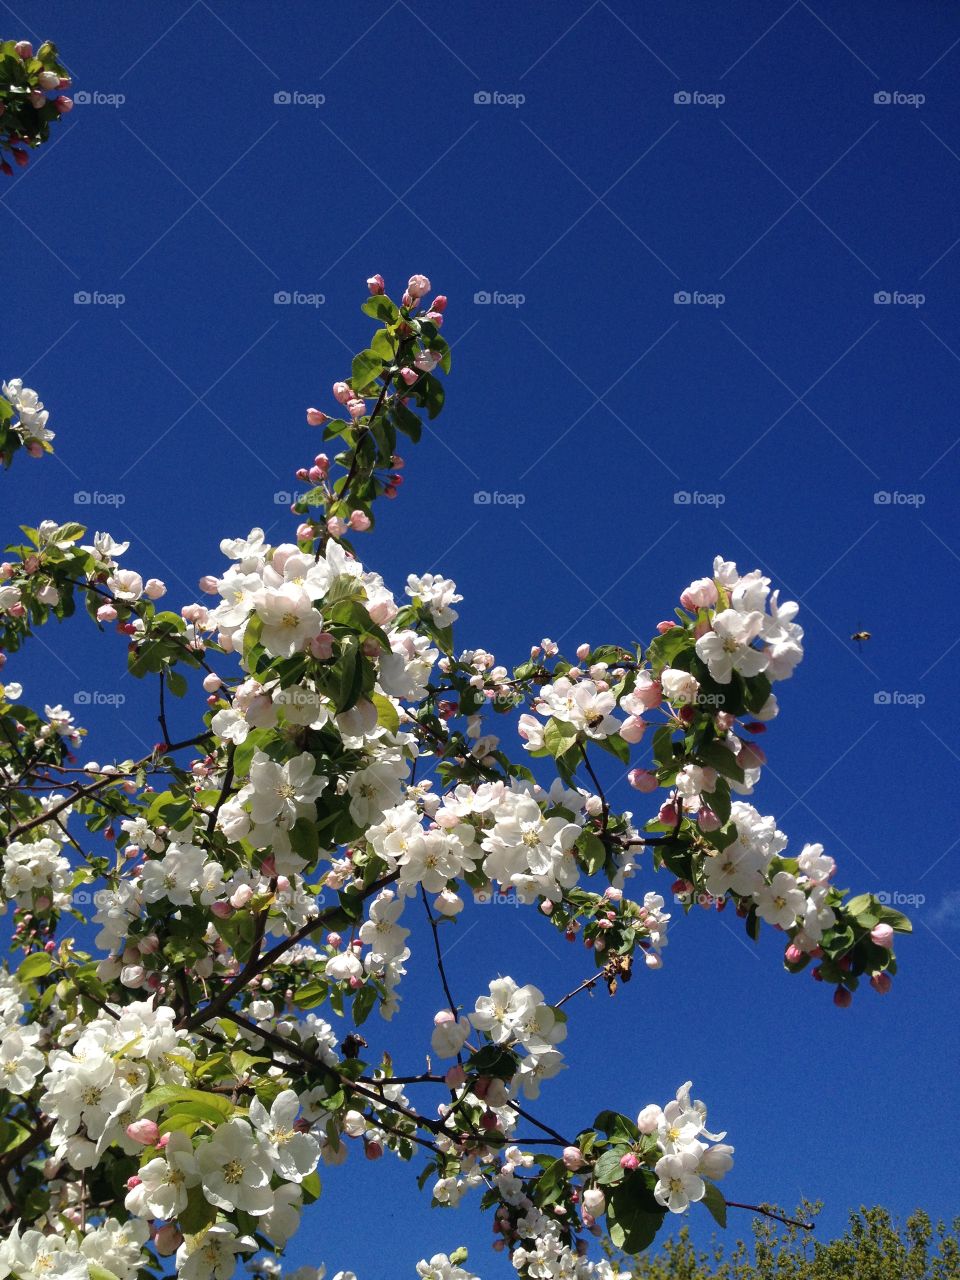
{"points": [[106, 613], [642, 780], [707, 820], [843, 998], [751, 756], [37, 98], [63, 104], [305, 532], [439, 303], [881, 983], [342, 392], [316, 418], [314, 474], [321, 646], [633, 729], [455, 1077], [372, 1150], [444, 1016], [222, 910], [882, 936], [168, 1240], [356, 408], [417, 286], [360, 521], [629, 1161], [573, 1158], [375, 284], [154, 589], [792, 954], [143, 1131], [409, 375], [133, 1181], [48, 80], [336, 527], [208, 584], [334, 939], [664, 627], [241, 897], [24, 49]]}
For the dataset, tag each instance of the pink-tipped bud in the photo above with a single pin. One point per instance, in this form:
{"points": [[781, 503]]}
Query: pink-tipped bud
{"points": [[573, 1158], [373, 1150], [633, 729], [792, 954], [222, 910], [882, 936], [664, 627], [409, 375], [707, 820], [334, 939], [630, 1161], [444, 1016], [321, 646], [360, 521], [642, 780], [881, 983], [63, 104], [342, 392], [316, 418], [305, 532], [439, 303], [843, 998], [455, 1077], [241, 897], [208, 584], [133, 1181], [375, 284], [168, 1240], [24, 49], [417, 286], [106, 613], [20, 157], [143, 1131]]}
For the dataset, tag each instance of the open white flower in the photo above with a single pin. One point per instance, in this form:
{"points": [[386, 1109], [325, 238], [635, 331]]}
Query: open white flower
{"points": [[165, 1180], [235, 1168], [294, 1154], [678, 1183]]}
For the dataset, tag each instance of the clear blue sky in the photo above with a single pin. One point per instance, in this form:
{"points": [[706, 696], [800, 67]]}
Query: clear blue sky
{"points": [[597, 398]]}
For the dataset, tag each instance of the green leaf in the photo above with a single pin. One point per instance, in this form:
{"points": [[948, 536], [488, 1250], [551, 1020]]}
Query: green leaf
{"points": [[176, 682], [367, 367], [559, 737], [363, 1003], [713, 1199], [169, 1094], [381, 308], [633, 1215], [593, 853], [198, 1215], [493, 1060], [608, 1171], [387, 714], [36, 966], [617, 1127]]}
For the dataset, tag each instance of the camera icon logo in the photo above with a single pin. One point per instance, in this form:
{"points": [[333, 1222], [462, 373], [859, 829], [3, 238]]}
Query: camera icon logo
{"points": [[82, 298], [682, 498], [682, 98], [482, 298], [882, 498], [282, 298], [82, 498], [82, 98], [882, 298], [82, 698], [282, 98], [682, 297], [882, 698], [483, 98], [482, 497], [882, 98]]}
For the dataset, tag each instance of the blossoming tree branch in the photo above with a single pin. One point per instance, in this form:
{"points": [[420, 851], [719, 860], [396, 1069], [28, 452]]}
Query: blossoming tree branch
{"points": [[199, 934], [30, 99]]}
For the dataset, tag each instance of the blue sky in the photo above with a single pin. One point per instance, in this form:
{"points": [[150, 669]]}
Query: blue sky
{"points": [[581, 197]]}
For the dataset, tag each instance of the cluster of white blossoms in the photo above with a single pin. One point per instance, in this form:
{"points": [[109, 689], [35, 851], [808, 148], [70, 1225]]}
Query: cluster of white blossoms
{"points": [[680, 1129], [546, 1256], [32, 417], [750, 630], [94, 1088], [110, 1246], [517, 1018], [783, 898], [36, 867]]}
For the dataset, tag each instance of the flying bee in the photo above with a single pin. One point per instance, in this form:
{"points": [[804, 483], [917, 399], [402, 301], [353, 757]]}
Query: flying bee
{"points": [[860, 636]]}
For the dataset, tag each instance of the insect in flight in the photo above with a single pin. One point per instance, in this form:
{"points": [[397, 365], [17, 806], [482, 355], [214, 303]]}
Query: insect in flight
{"points": [[860, 636]]}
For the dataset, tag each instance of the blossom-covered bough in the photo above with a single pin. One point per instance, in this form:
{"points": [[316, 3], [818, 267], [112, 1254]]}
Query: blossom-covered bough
{"points": [[30, 101], [199, 933]]}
